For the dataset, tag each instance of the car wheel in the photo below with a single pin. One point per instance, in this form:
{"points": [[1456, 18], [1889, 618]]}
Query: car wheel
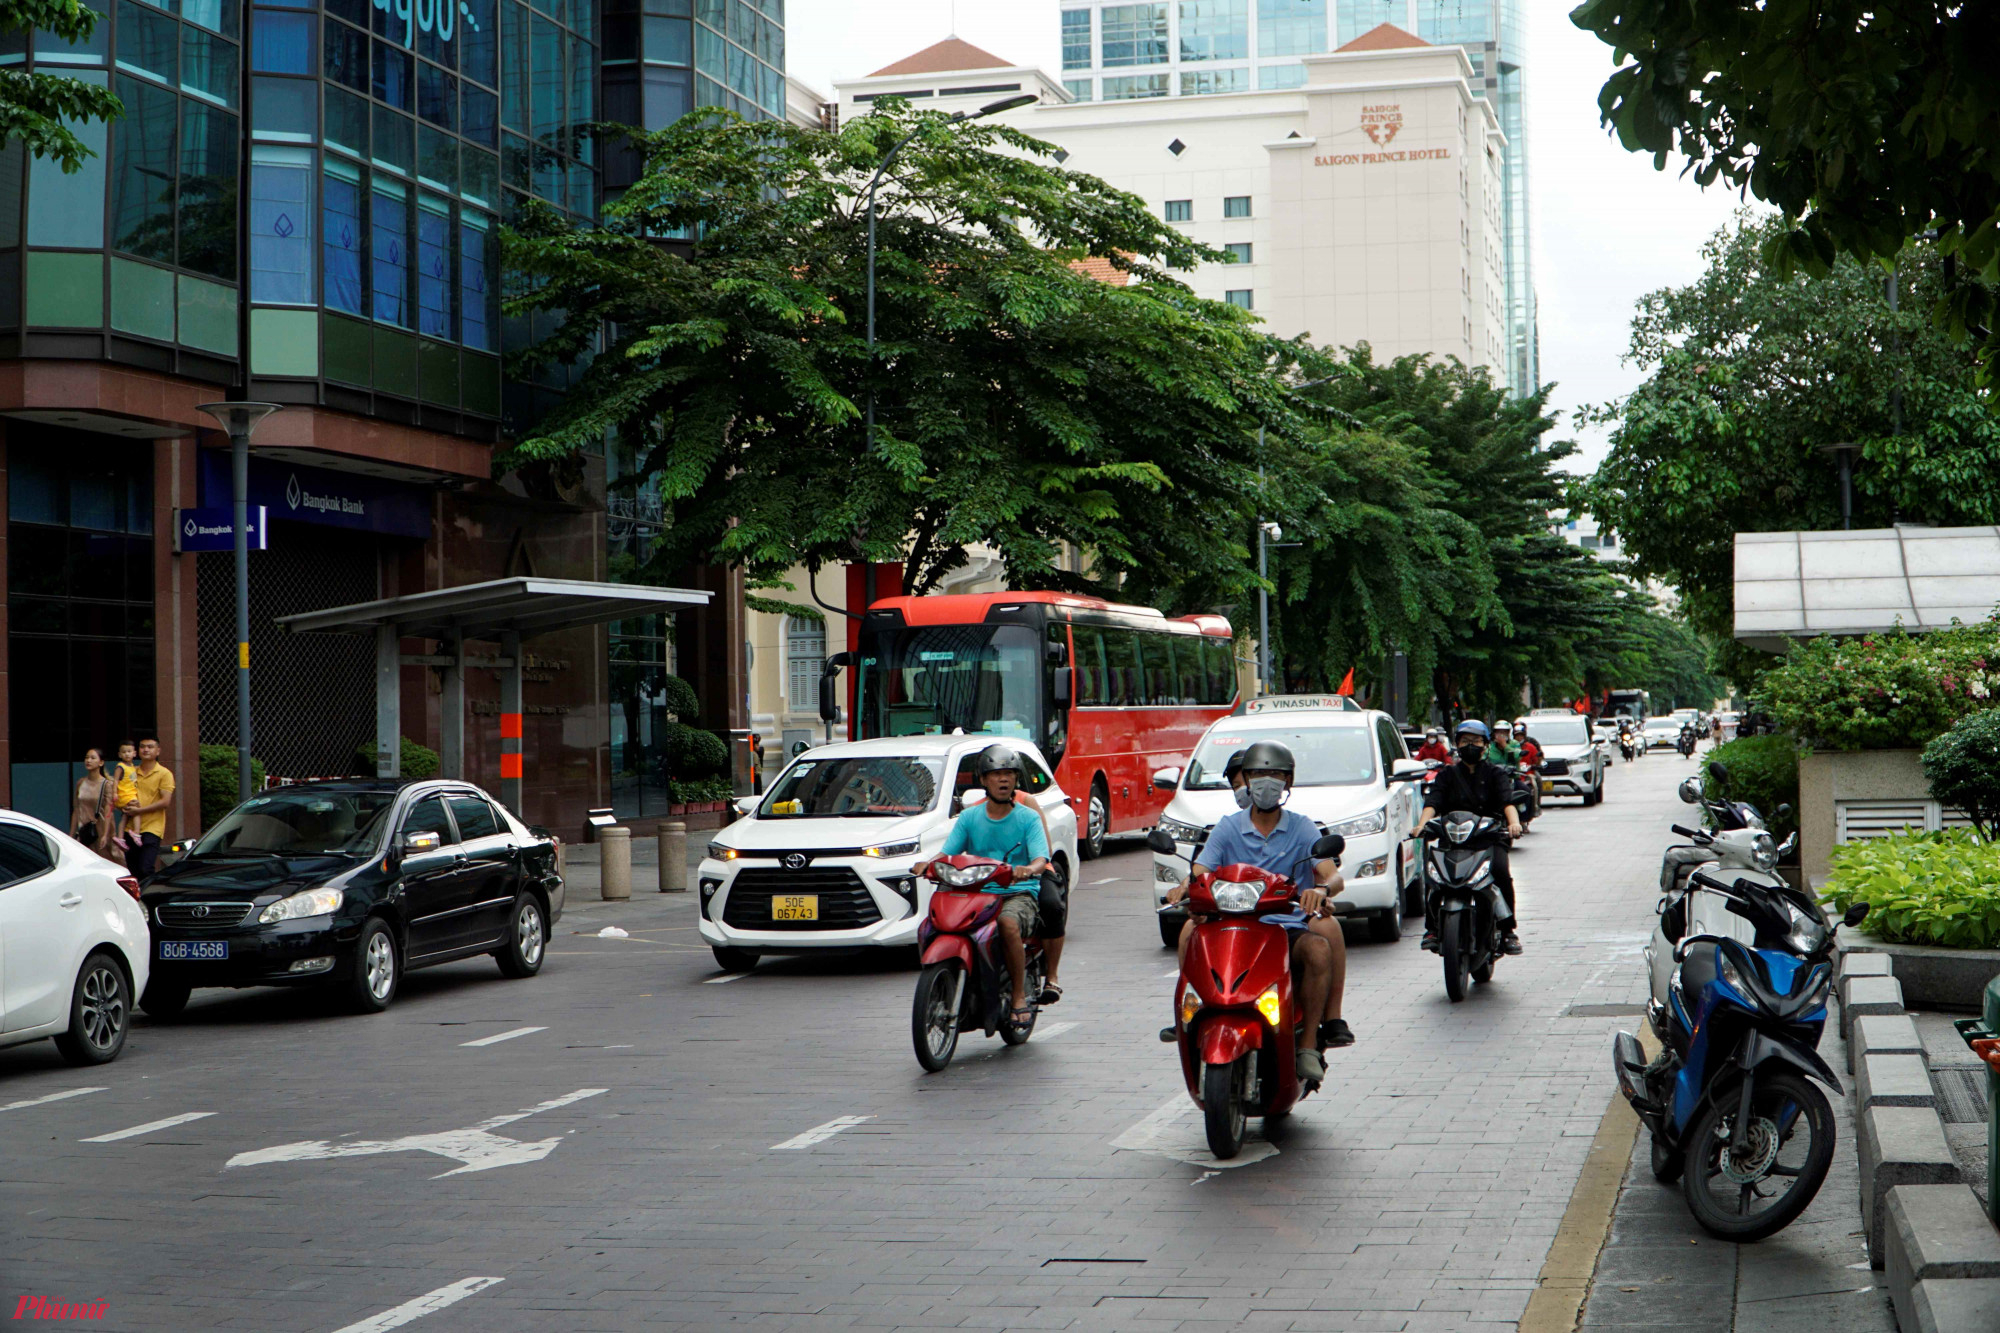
{"points": [[100, 1009], [527, 939], [377, 969], [1386, 926], [1170, 932], [1096, 822], [733, 960], [163, 1000]]}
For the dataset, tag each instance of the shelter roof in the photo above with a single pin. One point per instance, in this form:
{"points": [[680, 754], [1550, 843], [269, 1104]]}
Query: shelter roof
{"points": [[1797, 584], [525, 606]]}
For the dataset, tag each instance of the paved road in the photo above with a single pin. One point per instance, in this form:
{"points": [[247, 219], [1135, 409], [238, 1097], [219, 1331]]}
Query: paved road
{"points": [[646, 1143]]}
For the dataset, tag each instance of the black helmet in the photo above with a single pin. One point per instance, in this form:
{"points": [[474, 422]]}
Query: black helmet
{"points": [[1269, 755], [1232, 767], [999, 759]]}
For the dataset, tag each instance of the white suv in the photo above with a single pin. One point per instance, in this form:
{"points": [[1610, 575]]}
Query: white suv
{"points": [[1346, 757], [824, 860]]}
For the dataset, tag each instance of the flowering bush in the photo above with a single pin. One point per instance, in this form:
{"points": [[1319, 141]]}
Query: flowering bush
{"points": [[1884, 691], [1938, 888]]}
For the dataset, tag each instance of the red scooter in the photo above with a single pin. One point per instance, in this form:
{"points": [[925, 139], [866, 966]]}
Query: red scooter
{"points": [[964, 982], [1234, 1011]]}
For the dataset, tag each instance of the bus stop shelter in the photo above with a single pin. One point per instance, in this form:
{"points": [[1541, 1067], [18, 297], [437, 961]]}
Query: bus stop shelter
{"points": [[505, 612], [1795, 585]]}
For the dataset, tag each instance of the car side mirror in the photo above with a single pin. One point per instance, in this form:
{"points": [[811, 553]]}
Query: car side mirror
{"points": [[1691, 790], [1329, 847], [1854, 915], [1166, 779], [416, 844], [746, 805], [1162, 842], [1061, 686], [1403, 768]]}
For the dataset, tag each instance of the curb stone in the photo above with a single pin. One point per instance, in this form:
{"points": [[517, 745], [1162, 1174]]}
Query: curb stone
{"points": [[1864, 995], [1887, 1033], [1936, 1232], [1950, 1305], [1899, 1146], [1886, 1079]]}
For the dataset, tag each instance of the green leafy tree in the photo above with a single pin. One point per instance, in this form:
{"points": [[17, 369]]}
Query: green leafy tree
{"points": [[1864, 122], [1963, 767], [39, 109], [1019, 402], [1749, 372]]}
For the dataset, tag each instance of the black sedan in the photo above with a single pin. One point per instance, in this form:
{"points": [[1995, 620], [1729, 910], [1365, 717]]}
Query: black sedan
{"points": [[347, 885]]}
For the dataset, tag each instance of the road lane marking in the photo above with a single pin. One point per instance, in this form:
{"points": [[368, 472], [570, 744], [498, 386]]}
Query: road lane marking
{"points": [[1052, 1030], [51, 1097], [1109, 879], [149, 1127], [1175, 1130], [502, 1036], [429, 1303], [821, 1133], [476, 1146], [727, 976]]}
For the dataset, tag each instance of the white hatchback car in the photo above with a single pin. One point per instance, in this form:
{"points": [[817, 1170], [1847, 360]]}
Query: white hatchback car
{"points": [[824, 860], [1347, 758], [74, 948]]}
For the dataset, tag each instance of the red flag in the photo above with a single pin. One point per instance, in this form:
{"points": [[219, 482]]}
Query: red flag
{"points": [[1347, 683]]}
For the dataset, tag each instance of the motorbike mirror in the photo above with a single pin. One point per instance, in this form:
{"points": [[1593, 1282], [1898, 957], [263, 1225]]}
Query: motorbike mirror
{"points": [[1691, 790], [1166, 779], [1784, 808], [1720, 772], [1162, 842], [970, 797], [1791, 841], [1854, 915], [1329, 847]]}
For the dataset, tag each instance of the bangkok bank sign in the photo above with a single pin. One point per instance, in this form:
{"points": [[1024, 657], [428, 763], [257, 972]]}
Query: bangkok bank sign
{"points": [[437, 17], [1381, 122]]}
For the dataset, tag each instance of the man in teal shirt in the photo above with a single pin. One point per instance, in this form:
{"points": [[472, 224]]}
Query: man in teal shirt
{"points": [[1001, 829]]}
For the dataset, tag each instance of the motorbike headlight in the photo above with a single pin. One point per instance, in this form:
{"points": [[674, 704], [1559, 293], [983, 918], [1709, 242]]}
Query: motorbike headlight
{"points": [[964, 877], [313, 902], [1190, 1006], [1727, 970], [1372, 822], [1458, 830], [1807, 935], [1231, 897], [1764, 853], [1181, 832], [1271, 1005]]}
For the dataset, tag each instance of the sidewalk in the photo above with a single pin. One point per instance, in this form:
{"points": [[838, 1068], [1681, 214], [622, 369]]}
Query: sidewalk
{"points": [[582, 868]]}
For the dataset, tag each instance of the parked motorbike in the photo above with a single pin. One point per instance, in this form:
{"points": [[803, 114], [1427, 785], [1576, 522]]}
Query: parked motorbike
{"points": [[1728, 1100], [963, 984], [1735, 845], [1235, 988], [1461, 897]]}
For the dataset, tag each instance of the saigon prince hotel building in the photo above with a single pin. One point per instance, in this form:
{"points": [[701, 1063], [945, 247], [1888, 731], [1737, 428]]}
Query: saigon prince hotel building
{"points": [[302, 205]]}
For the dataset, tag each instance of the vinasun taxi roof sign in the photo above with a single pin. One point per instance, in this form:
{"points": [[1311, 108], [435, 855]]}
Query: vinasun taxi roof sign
{"points": [[1301, 703]]}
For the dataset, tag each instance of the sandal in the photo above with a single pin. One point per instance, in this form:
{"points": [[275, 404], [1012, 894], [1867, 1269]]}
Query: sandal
{"points": [[1023, 1015], [1050, 994]]}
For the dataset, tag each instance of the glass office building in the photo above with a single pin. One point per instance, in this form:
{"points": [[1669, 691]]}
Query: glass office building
{"points": [[1119, 50]]}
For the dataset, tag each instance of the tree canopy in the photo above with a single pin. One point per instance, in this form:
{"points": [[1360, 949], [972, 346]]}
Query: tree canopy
{"points": [[35, 107], [1864, 122], [1019, 401]]}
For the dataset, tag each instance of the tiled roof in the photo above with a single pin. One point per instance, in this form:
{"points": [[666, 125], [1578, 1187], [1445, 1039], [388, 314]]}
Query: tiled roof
{"points": [[1384, 37], [1102, 270], [948, 56]]}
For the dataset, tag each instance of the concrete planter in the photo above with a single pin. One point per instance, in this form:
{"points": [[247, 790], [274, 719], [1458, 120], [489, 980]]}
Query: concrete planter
{"points": [[1932, 978], [1845, 795]]}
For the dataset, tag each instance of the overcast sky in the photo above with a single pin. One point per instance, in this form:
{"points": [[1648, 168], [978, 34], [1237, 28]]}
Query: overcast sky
{"points": [[1606, 226]]}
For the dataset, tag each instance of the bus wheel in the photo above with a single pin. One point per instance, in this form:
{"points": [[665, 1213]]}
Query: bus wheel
{"points": [[1096, 822]]}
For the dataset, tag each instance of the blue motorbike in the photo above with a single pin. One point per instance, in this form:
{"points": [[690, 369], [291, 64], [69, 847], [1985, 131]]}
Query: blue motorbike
{"points": [[1729, 1099]]}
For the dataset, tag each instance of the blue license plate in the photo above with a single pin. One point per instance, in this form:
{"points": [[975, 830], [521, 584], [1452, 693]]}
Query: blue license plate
{"points": [[194, 949]]}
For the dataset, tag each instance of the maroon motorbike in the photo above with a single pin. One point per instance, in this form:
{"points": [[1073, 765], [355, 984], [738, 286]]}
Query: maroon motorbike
{"points": [[963, 985]]}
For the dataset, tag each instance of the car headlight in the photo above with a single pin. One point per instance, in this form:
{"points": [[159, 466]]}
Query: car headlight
{"points": [[891, 849], [1372, 822], [1764, 853], [1370, 869], [1165, 874], [1807, 935], [1231, 897], [313, 902], [1180, 832], [718, 852]]}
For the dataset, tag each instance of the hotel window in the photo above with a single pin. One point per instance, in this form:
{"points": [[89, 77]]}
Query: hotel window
{"points": [[1081, 89], [434, 267], [1281, 76], [1215, 29], [478, 265], [1180, 210], [389, 251], [281, 230], [342, 191], [1076, 39], [805, 655], [1242, 299], [1239, 252], [1291, 27], [1134, 35], [1236, 206], [1359, 16], [1195, 83], [1131, 86]]}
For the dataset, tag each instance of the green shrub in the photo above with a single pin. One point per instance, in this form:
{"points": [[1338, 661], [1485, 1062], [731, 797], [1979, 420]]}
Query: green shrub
{"points": [[1963, 766], [219, 778], [419, 761], [691, 752], [679, 698], [1886, 691], [1938, 888], [701, 789], [1763, 770]]}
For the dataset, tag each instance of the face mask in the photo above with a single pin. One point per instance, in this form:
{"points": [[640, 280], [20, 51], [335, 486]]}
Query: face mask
{"points": [[1471, 754], [1242, 798], [1266, 793]]}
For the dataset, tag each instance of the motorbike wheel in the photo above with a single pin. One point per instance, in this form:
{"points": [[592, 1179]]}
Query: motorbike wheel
{"points": [[933, 1020], [1723, 1192], [1455, 943], [1667, 1163], [1222, 1108]]}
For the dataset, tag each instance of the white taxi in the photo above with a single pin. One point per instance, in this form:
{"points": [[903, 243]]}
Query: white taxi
{"points": [[1347, 757], [823, 860]]}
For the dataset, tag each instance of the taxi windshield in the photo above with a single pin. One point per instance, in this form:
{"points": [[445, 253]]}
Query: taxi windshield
{"points": [[1341, 756], [878, 785]]}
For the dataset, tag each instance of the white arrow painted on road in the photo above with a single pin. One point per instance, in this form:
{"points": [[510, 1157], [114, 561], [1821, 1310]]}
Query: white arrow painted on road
{"points": [[476, 1146], [1176, 1131]]}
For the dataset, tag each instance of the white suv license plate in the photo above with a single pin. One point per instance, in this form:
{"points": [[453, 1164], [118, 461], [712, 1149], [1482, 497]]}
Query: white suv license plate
{"points": [[201, 950]]}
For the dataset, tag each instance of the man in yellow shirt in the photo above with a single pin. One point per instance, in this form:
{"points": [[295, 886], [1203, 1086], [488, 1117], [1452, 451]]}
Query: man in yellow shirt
{"points": [[155, 784]]}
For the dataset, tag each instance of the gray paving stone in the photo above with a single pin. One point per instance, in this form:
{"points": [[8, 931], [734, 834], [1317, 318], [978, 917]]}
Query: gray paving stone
{"points": [[1893, 1080], [1955, 1305], [1898, 1145], [1882, 1032]]}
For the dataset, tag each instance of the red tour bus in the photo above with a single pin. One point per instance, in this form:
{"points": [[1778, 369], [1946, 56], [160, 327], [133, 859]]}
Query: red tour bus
{"points": [[1110, 693]]}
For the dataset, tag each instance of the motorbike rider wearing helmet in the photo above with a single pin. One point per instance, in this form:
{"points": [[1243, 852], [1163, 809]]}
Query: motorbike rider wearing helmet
{"points": [[1434, 746], [1531, 758], [1266, 835], [996, 829], [1483, 788]]}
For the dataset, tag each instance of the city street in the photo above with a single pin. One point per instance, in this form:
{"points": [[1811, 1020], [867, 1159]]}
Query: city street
{"points": [[635, 1139]]}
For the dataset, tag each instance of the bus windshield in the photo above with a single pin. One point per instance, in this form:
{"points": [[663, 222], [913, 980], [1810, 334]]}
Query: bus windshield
{"points": [[933, 679]]}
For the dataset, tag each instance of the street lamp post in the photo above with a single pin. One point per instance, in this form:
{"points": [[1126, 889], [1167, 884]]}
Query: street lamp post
{"points": [[990, 109], [240, 419], [1275, 533], [1844, 454]]}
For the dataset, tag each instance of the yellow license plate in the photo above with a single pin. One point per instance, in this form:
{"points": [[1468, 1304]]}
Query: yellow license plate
{"points": [[1548, 786], [795, 907]]}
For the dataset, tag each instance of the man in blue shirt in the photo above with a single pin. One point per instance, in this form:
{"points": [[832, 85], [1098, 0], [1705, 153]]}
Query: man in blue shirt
{"points": [[1002, 829], [1272, 838]]}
